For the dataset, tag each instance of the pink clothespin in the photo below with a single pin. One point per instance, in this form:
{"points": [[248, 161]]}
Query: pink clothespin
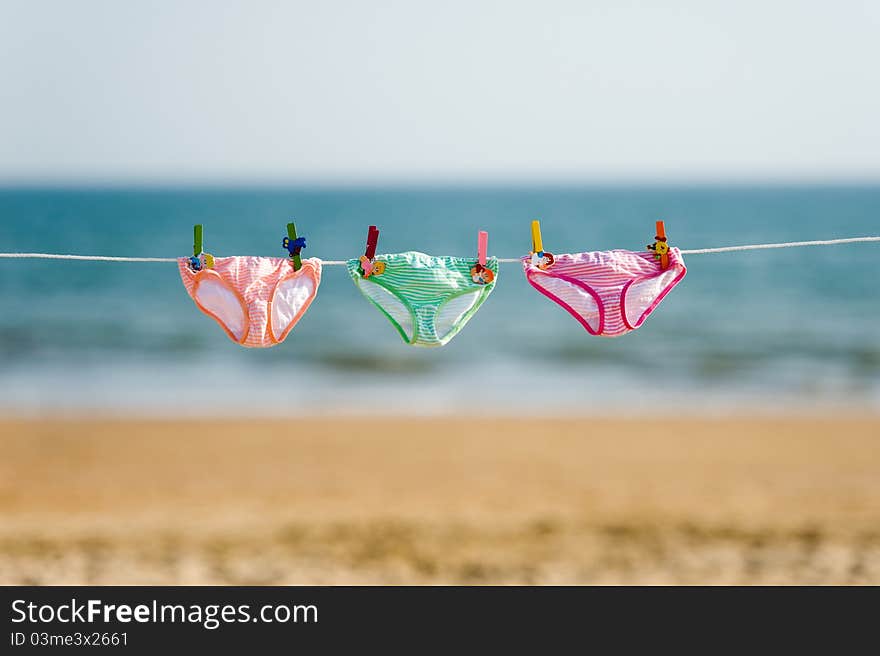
{"points": [[482, 247], [479, 273]]}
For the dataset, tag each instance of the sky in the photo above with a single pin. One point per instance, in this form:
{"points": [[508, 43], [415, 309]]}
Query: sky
{"points": [[473, 91]]}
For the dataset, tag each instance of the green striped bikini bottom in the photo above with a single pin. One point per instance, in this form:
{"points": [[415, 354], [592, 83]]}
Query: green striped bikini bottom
{"points": [[427, 299]]}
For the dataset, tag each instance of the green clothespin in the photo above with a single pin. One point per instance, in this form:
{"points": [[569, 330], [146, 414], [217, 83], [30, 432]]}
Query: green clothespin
{"points": [[197, 240], [294, 253], [198, 246]]}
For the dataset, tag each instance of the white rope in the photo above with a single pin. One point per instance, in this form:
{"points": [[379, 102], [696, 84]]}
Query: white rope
{"points": [[790, 244], [694, 251], [96, 258]]}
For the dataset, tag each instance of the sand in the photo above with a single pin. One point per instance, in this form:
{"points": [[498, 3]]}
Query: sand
{"points": [[439, 500]]}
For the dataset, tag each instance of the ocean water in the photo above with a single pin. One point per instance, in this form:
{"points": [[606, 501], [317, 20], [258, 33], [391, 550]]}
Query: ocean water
{"points": [[771, 330]]}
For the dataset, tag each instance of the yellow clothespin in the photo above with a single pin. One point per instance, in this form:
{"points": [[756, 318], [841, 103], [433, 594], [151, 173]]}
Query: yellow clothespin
{"points": [[540, 258], [537, 244]]}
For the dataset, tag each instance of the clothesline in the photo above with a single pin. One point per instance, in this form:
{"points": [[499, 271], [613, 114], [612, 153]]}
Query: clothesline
{"points": [[694, 251]]}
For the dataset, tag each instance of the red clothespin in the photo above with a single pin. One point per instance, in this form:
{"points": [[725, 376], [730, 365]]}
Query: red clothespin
{"points": [[368, 266], [479, 273], [660, 247]]}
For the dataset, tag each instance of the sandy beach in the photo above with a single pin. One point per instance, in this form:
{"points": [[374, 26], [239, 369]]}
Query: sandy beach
{"points": [[440, 500]]}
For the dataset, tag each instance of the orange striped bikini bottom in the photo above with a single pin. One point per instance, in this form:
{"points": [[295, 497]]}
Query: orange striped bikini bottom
{"points": [[256, 300]]}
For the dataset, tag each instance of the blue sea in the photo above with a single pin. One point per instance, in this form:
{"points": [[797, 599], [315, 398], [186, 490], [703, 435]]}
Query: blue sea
{"points": [[793, 329]]}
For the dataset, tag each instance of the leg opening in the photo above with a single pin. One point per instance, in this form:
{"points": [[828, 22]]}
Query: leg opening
{"points": [[641, 296], [392, 307], [454, 314], [223, 304], [291, 299], [576, 297]]}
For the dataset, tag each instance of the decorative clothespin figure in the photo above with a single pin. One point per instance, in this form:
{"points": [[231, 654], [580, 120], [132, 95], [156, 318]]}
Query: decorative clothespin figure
{"points": [[660, 247], [479, 273], [540, 258], [369, 266], [199, 258], [294, 246]]}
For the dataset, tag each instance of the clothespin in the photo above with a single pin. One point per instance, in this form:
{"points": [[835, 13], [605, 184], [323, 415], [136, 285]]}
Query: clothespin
{"points": [[540, 258], [197, 260], [368, 266], [660, 247], [372, 242], [479, 273], [294, 246], [537, 244]]}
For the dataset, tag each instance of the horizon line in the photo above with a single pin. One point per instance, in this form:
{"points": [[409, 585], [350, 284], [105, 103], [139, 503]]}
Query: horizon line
{"points": [[440, 183]]}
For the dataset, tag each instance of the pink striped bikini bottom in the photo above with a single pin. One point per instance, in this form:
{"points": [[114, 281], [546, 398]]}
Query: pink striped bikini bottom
{"points": [[610, 293], [256, 300]]}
